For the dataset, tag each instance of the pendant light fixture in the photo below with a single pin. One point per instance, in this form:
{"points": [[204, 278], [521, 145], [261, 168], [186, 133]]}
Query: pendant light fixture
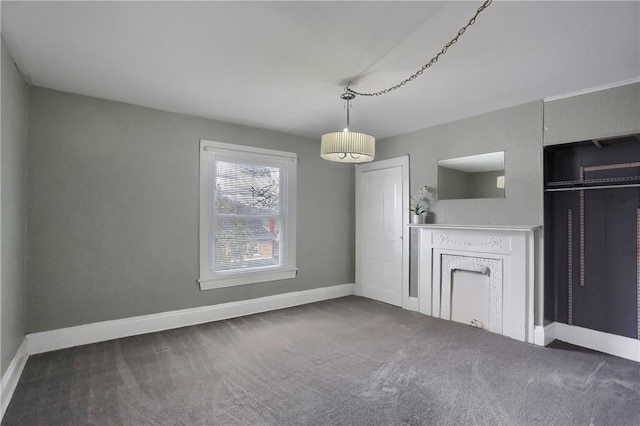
{"points": [[354, 147], [348, 146]]}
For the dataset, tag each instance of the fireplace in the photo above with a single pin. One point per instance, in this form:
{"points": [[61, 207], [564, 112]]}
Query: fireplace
{"points": [[476, 300], [481, 276]]}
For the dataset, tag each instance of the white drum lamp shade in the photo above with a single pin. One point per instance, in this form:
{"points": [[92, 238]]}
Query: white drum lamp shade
{"points": [[348, 147]]}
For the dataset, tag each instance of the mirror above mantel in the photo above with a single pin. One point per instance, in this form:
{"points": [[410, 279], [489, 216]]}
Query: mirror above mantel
{"points": [[474, 176]]}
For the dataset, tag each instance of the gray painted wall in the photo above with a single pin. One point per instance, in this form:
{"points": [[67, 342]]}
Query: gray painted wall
{"points": [[516, 130], [113, 211], [13, 221], [113, 197], [606, 113]]}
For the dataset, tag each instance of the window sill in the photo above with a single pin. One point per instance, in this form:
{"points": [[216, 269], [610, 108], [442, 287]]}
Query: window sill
{"points": [[243, 278]]}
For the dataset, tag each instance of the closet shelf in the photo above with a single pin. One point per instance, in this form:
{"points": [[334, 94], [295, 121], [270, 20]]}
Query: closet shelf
{"points": [[587, 184], [591, 182]]}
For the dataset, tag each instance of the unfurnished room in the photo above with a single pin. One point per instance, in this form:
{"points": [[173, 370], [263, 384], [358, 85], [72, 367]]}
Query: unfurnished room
{"points": [[320, 213]]}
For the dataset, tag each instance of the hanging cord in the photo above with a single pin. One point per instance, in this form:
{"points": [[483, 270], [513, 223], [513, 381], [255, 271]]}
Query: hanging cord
{"points": [[428, 64]]}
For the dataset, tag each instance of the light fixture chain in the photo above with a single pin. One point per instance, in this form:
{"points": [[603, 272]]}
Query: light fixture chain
{"points": [[428, 64]]}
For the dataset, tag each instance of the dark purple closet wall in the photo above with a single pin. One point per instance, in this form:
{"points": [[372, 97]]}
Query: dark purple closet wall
{"points": [[591, 246]]}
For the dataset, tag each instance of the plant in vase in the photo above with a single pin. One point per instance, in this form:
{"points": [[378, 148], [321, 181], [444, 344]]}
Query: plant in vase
{"points": [[419, 205]]}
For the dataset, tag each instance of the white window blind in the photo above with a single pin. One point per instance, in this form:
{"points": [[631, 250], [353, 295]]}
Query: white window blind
{"points": [[247, 215]]}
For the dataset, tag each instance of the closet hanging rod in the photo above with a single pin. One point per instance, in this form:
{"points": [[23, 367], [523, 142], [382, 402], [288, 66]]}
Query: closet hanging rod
{"points": [[589, 182], [586, 188]]}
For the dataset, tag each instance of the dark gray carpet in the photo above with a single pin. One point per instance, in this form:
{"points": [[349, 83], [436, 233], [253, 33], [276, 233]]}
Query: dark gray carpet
{"points": [[349, 361]]}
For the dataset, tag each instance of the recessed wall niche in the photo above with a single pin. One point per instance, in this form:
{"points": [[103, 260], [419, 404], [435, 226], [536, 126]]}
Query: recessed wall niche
{"points": [[592, 229]]}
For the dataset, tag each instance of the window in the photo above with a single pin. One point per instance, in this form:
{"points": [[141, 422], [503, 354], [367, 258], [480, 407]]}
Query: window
{"points": [[247, 215]]}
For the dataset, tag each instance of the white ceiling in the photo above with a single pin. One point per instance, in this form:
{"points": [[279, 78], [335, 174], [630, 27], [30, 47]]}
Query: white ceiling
{"points": [[283, 65]]}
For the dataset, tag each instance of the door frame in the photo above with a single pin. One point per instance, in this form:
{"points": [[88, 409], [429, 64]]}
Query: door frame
{"points": [[402, 162]]}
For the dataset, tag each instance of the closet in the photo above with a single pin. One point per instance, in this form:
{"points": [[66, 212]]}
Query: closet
{"points": [[592, 234]]}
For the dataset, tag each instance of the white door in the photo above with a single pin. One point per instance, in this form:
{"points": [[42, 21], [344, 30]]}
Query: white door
{"points": [[381, 241]]}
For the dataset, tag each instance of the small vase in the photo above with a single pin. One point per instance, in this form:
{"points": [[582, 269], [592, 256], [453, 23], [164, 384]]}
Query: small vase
{"points": [[417, 219]]}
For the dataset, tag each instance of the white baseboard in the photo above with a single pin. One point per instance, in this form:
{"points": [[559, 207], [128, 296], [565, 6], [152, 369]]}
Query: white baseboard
{"points": [[549, 333], [52, 340], [107, 330], [357, 289], [624, 347], [412, 304], [538, 335], [542, 336], [11, 376]]}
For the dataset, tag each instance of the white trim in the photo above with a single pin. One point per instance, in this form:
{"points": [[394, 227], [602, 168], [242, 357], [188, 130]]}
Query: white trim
{"points": [[624, 347], [426, 268], [511, 244], [203, 243], [541, 336], [549, 333], [529, 296], [245, 149], [592, 89], [358, 289], [12, 376], [538, 335], [107, 330], [247, 278], [406, 299], [526, 228], [413, 304], [287, 161]]}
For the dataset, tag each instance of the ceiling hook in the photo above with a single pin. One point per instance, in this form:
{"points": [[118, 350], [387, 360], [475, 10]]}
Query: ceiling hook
{"points": [[348, 92]]}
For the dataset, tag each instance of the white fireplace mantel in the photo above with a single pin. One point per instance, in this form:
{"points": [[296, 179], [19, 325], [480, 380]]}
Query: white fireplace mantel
{"points": [[512, 250], [476, 227]]}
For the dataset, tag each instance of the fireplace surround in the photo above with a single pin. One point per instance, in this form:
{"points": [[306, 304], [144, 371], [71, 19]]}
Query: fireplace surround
{"points": [[492, 268], [504, 254]]}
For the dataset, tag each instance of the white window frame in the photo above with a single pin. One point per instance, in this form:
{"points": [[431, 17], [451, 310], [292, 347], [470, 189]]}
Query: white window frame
{"points": [[287, 269]]}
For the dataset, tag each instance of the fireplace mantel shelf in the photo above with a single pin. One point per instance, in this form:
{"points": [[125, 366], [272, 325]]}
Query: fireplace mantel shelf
{"points": [[523, 228]]}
